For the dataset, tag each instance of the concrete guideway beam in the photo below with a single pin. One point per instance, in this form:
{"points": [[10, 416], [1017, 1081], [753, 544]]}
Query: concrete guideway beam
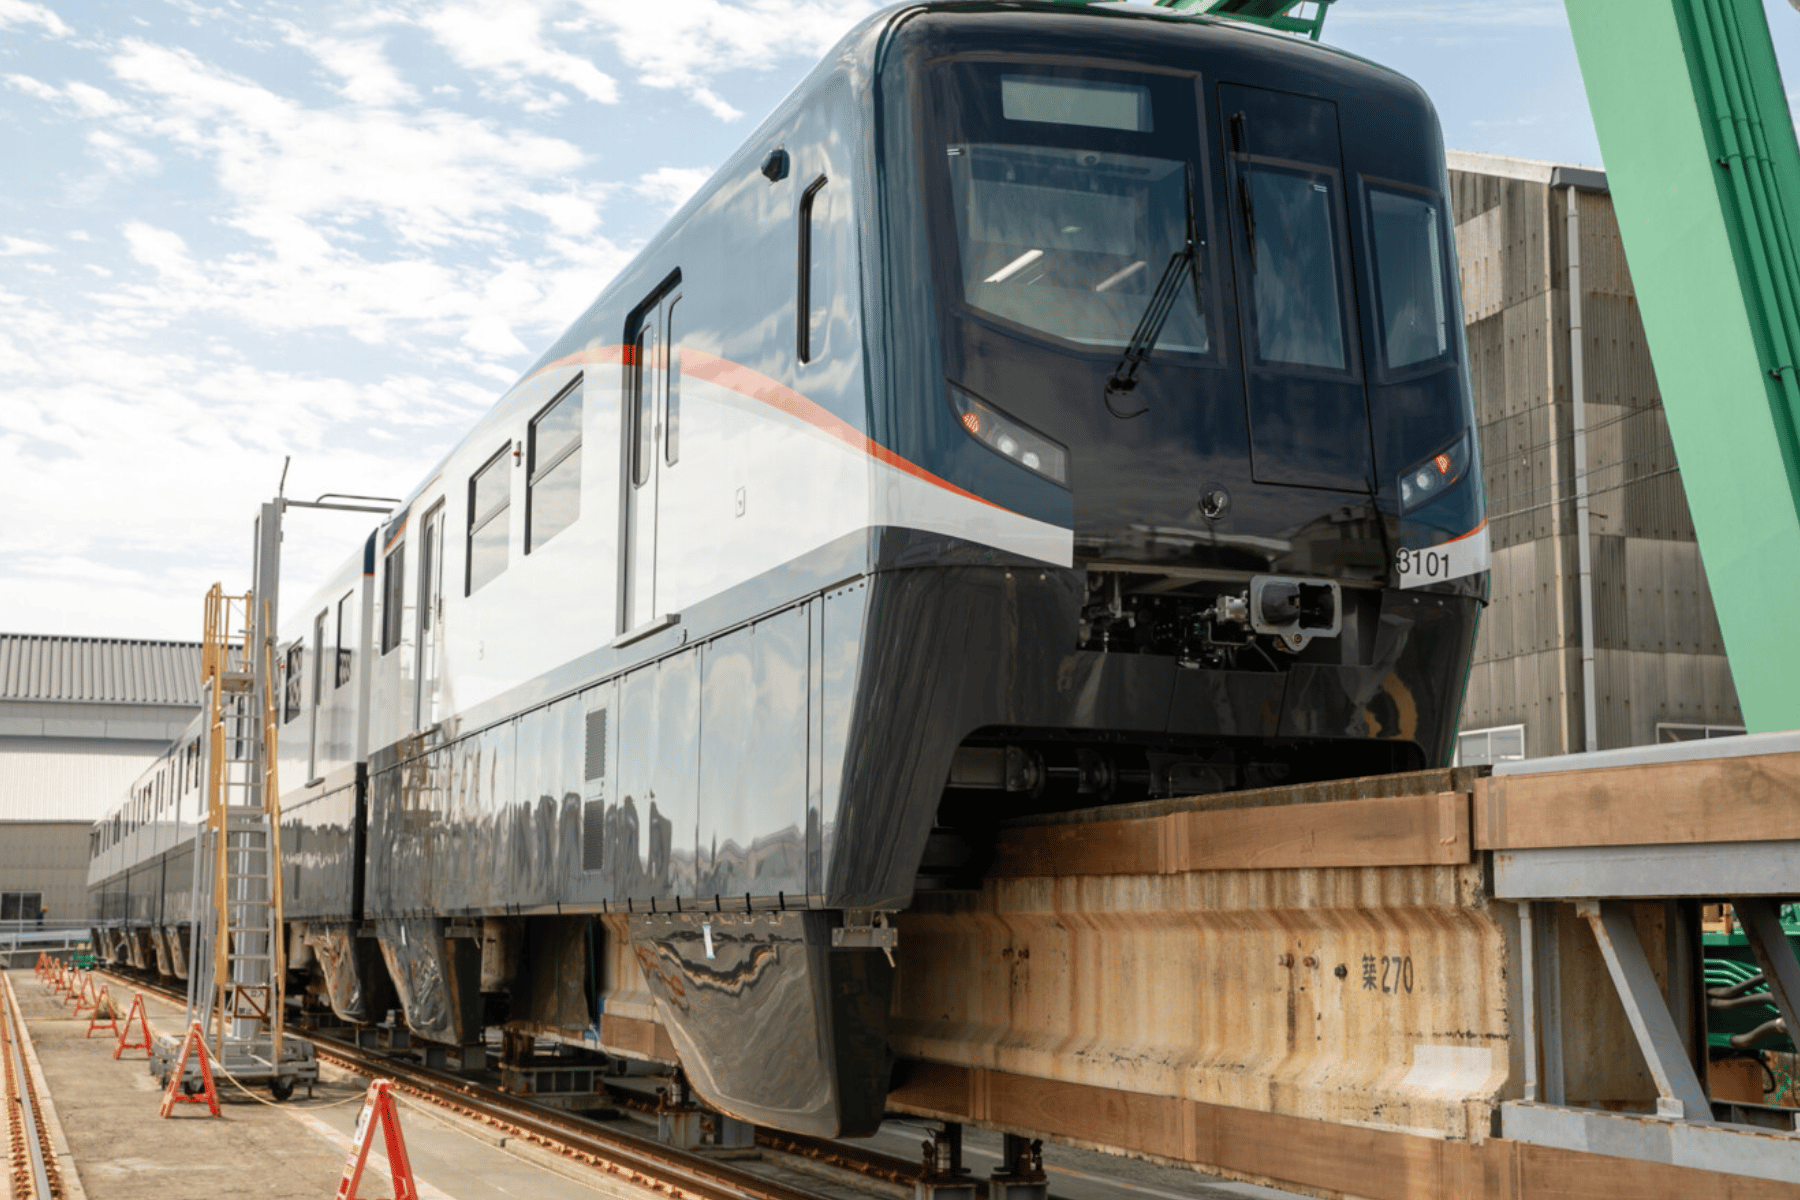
{"points": [[1222, 979]]}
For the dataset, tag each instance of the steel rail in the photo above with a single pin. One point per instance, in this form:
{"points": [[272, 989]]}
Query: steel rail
{"points": [[635, 1157], [641, 1159], [22, 1115]]}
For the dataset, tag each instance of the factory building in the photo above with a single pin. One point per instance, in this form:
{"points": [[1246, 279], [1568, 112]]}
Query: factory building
{"points": [[1618, 645], [80, 719]]}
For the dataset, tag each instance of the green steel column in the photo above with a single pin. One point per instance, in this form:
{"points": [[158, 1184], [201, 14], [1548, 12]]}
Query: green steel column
{"points": [[1705, 175]]}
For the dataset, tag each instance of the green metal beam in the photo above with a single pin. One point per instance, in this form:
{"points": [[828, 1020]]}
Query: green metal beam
{"points": [[1705, 175], [1276, 14]]}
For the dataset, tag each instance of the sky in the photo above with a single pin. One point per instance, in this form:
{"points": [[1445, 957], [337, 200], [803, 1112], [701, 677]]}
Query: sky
{"points": [[235, 232]]}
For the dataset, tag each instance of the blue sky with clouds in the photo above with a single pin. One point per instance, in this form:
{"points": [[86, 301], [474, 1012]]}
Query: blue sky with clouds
{"points": [[234, 230]]}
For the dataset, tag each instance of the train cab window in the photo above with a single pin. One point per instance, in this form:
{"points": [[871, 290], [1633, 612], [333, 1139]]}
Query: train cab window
{"points": [[490, 499], [1299, 315], [291, 686], [553, 489], [1407, 232], [393, 596], [1073, 200], [813, 296], [343, 643]]}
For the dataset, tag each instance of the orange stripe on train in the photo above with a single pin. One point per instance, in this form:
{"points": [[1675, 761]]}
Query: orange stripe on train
{"points": [[749, 382]]}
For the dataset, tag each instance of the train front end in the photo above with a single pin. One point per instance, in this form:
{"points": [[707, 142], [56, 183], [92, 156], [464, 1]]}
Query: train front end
{"points": [[1184, 290]]}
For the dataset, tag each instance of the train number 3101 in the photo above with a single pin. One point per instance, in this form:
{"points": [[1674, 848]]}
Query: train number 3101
{"points": [[1423, 564]]}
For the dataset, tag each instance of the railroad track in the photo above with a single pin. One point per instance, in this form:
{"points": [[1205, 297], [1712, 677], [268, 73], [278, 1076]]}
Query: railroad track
{"points": [[631, 1157], [33, 1175]]}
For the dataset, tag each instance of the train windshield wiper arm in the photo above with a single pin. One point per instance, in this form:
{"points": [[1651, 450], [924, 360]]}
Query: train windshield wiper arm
{"points": [[1162, 302]]}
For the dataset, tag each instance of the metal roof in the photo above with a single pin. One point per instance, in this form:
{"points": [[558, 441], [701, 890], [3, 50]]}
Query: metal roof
{"points": [[98, 670]]}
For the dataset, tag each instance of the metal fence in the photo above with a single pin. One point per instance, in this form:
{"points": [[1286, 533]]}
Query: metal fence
{"points": [[22, 940]]}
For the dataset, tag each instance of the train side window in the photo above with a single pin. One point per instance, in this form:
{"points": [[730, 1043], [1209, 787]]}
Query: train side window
{"points": [[1409, 276], [393, 596], [643, 411], [290, 690], [672, 431], [343, 643], [1294, 257], [553, 488], [318, 663], [490, 498], [812, 297]]}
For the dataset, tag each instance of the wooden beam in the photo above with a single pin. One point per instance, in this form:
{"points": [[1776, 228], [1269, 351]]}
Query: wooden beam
{"points": [[1296, 1152], [1754, 798], [1393, 831]]}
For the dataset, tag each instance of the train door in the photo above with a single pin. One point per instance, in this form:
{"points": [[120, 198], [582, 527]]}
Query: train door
{"points": [[650, 445], [431, 618], [1307, 408]]}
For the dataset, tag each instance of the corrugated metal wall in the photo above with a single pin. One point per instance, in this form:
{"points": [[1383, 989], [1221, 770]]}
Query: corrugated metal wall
{"points": [[56, 785], [1658, 653]]}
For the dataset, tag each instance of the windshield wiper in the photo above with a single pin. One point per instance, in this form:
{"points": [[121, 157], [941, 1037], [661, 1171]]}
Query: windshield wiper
{"points": [[1162, 302]]}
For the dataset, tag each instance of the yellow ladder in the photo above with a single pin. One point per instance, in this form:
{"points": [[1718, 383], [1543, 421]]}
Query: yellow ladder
{"points": [[245, 995]]}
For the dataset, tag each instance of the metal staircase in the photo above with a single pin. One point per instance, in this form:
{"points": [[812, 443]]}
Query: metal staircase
{"points": [[235, 987]]}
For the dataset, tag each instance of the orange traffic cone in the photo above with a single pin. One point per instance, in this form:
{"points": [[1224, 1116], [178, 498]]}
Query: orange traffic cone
{"points": [[193, 1043], [378, 1109], [143, 1020], [103, 1008]]}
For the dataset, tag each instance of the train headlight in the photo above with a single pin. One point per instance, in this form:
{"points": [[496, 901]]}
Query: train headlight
{"points": [[1005, 435], [1430, 478]]}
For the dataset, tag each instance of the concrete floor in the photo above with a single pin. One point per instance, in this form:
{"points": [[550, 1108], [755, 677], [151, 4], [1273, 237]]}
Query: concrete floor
{"points": [[294, 1151]]}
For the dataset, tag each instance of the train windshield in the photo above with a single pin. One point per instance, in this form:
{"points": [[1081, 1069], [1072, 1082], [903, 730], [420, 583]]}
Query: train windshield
{"points": [[1070, 190]]}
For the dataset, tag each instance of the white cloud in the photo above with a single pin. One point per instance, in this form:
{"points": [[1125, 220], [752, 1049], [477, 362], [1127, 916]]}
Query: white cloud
{"points": [[671, 186], [684, 44], [119, 156], [430, 177], [380, 225], [33, 87], [19, 12], [366, 75], [81, 430], [681, 45], [92, 101], [12, 247], [505, 40]]}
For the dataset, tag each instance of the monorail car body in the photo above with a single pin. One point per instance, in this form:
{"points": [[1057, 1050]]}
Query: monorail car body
{"points": [[866, 509]]}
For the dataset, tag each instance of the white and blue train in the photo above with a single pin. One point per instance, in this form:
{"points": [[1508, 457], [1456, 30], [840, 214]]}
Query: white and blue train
{"points": [[1046, 408]]}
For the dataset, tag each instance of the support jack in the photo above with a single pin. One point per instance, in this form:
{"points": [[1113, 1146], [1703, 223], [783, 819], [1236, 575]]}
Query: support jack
{"points": [[942, 1175]]}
